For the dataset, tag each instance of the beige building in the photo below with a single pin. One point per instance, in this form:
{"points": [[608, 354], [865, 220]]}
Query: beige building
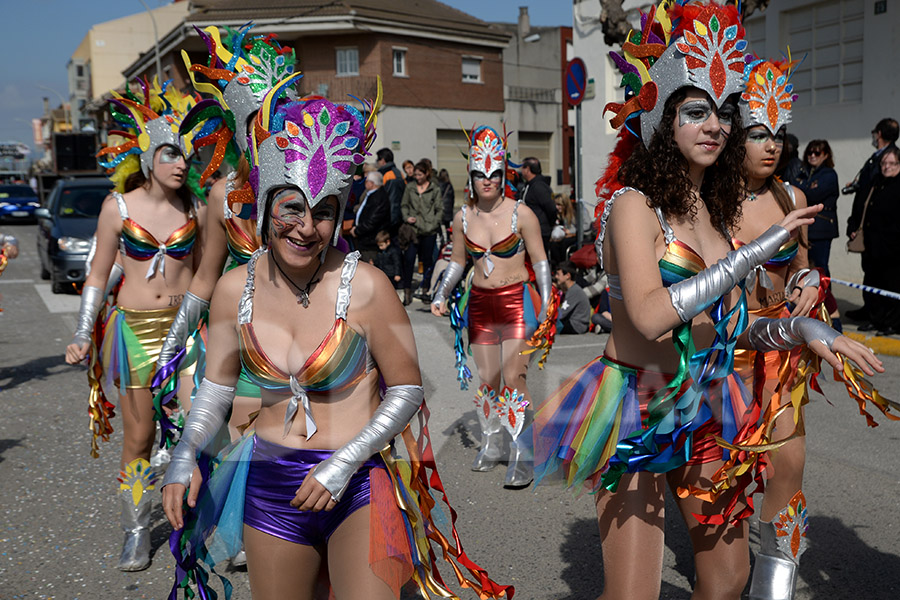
{"points": [[107, 49]]}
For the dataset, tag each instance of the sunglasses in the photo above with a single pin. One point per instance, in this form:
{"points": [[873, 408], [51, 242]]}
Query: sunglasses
{"points": [[814, 153]]}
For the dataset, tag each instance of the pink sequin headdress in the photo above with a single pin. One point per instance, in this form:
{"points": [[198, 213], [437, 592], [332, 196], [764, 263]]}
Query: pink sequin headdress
{"points": [[311, 144]]}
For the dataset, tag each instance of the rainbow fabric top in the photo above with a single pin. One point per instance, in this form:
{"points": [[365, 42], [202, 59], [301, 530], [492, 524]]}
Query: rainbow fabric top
{"points": [[782, 258], [338, 364], [505, 248], [241, 243], [679, 263], [140, 244]]}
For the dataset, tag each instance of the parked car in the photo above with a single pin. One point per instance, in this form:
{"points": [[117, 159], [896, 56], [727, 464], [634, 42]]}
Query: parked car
{"points": [[18, 202], [65, 228]]}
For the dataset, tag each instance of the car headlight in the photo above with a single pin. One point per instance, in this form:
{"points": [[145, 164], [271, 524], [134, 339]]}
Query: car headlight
{"points": [[74, 244], [4, 204], [34, 204]]}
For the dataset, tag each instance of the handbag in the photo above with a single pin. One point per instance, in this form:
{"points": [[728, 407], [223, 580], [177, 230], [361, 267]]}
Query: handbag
{"points": [[856, 244]]}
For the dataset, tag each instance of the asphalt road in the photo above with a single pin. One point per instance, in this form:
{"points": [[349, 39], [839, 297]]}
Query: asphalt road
{"points": [[60, 537]]}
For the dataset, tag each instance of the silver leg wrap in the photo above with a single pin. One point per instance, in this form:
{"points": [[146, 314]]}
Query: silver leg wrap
{"points": [[489, 455], [136, 481], [781, 542]]}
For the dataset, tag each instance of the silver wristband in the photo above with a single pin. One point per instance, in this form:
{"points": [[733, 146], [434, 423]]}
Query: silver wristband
{"points": [[115, 274], [398, 407], [452, 274], [208, 412], [544, 284], [803, 278], [189, 314], [695, 294], [91, 300], [767, 334]]}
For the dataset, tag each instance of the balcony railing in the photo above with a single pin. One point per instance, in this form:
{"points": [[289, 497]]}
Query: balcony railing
{"points": [[518, 93], [338, 89]]}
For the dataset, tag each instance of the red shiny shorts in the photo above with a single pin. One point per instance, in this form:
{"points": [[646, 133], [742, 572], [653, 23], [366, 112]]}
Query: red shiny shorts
{"points": [[501, 314]]}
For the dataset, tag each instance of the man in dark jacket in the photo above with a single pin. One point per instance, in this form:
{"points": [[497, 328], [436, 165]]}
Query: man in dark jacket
{"points": [[394, 184], [372, 215], [538, 196], [884, 135]]}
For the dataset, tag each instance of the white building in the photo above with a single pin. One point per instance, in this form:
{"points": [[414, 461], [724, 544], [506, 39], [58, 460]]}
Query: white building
{"points": [[847, 83]]}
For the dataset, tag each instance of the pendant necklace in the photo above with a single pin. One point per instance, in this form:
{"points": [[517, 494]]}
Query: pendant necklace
{"points": [[302, 292], [493, 208], [752, 195]]}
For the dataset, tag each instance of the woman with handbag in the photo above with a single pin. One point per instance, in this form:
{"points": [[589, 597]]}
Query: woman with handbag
{"points": [[819, 181], [880, 231]]}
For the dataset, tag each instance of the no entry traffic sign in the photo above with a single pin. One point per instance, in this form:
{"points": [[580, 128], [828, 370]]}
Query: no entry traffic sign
{"points": [[576, 79]]}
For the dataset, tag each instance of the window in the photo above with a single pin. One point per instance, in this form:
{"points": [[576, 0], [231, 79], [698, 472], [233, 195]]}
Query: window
{"points": [[471, 69], [347, 61], [400, 62], [79, 70], [830, 34]]}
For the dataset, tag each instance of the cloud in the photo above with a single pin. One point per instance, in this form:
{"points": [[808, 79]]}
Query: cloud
{"points": [[11, 98]]}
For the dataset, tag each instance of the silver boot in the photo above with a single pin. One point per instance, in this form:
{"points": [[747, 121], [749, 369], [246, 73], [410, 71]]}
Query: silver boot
{"points": [[489, 455], [514, 418], [781, 542], [136, 481]]}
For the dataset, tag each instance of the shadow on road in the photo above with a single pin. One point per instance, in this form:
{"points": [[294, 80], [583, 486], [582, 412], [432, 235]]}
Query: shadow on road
{"points": [[7, 444], [36, 369]]}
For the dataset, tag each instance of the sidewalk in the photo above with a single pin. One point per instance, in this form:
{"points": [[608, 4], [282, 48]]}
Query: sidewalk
{"points": [[849, 299]]}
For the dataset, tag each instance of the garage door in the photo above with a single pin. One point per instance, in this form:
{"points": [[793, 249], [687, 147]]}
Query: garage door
{"points": [[535, 144], [451, 144]]}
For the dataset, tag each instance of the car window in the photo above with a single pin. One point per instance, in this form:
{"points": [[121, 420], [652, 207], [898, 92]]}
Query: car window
{"points": [[17, 194], [81, 202]]}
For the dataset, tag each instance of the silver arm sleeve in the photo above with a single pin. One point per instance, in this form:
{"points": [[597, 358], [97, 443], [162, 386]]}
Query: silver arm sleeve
{"points": [[91, 300], [803, 278], [115, 274], [207, 415], [544, 284], [189, 314], [452, 274], [783, 334], [695, 294], [393, 414]]}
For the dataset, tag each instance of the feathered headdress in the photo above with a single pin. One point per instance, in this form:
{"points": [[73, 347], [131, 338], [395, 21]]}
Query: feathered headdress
{"points": [[312, 144], [769, 96], [242, 70], [145, 123]]}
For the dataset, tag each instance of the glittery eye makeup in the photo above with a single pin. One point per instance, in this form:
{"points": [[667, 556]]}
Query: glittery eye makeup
{"points": [[694, 112], [758, 136], [169, 155], [479, 176], [726, 114]]}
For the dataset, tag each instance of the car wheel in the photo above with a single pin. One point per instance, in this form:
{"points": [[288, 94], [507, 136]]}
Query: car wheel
{"points": [[58, 287]]}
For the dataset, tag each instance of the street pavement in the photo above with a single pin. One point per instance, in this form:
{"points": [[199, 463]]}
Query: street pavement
{"points": [[60, 536]]}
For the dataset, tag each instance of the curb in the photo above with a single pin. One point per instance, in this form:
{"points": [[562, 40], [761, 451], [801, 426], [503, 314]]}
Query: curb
{"points": [[880, 344]]}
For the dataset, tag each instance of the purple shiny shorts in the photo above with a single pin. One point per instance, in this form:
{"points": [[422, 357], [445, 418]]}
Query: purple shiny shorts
{"points": [[274, 476]]}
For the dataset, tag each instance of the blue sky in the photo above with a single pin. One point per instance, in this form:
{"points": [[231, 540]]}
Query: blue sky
{"points": [[40, 36]]}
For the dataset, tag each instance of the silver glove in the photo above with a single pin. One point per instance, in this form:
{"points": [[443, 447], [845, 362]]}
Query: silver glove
{"points": [[189, 314], [115, 274], [208, 412], [452, 274], [8, 239], [803, 278], [766, 334], [695, 294], [544, 284], [391, 417], [91, 300]]}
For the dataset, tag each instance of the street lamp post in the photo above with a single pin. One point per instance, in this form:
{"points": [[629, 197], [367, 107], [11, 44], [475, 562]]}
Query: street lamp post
{"points": [[62, 100], [155, 42]]}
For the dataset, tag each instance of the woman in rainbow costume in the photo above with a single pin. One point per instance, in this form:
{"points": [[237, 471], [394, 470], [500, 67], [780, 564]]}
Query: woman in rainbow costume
{"points": [[327, 340], [499, 304], [654, 408], [154, 221], [782, 287], [241, 70]]}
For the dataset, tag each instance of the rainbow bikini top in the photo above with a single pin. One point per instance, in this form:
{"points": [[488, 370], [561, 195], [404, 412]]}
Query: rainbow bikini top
{"points": [[139, 244], [679, 262], [240, 234], [339, 363], [505, 248]]}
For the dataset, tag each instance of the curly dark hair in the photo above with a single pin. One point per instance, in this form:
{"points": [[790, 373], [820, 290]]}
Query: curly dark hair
{"points": [[661, 172]]}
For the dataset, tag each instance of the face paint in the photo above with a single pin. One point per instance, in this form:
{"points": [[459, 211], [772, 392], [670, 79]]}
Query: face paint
{"points": [[289, 209], [694, 112], [496, 176], [726, 114], [169, 155], [761, 135]]}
